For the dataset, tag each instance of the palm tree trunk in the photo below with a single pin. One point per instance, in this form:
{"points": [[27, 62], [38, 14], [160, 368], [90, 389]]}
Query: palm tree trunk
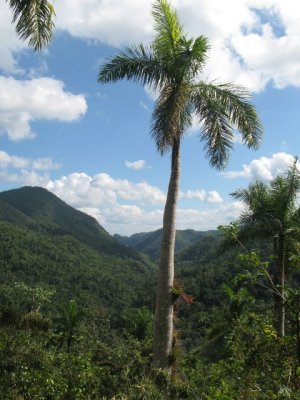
{"points": [[163, 332], [279, 281]]}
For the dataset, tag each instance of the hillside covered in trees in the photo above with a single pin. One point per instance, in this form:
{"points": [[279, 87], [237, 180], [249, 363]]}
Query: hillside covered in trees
{"points": [[76, 316]]}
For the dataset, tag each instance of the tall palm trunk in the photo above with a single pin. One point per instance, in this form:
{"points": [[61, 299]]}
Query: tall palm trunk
{"points": [[279, 280], [163, 333]]}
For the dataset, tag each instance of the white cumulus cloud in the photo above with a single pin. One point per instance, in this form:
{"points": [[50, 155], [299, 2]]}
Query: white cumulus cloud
{"points": [[111, 21], [214, 197], [196, 194], [202, 195], [22, 102], [139, 164], [253, 50], [208, 219], [253, 42], [11, 161], [264, 168], [7, 160], [127, 190], [109, 200]]}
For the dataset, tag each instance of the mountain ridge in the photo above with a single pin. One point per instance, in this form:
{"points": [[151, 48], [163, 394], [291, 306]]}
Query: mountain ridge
{"points": [[46, 243], [37, 208], [150, 242]]}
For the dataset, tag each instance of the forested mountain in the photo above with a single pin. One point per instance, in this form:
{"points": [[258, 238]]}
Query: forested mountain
{"points": [[150, 242], [38, 209], [43, 241]]}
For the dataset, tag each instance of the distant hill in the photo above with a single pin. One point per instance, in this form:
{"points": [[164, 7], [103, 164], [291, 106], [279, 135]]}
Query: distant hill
{"points": [[149, 243], [45, 242], [37, 208], [207, 245]]}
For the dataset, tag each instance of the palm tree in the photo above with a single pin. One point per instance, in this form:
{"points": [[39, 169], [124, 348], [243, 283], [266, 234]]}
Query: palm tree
{"points": [[34, 21], [271, 211], [171, 65], [69, 323]]}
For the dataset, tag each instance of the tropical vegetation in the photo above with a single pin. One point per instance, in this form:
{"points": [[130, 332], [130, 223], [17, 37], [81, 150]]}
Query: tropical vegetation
{"points": [[271, 211]]}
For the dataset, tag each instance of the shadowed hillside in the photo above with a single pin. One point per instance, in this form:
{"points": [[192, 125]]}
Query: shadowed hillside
{"points": [[45, 242], [39, 209]]}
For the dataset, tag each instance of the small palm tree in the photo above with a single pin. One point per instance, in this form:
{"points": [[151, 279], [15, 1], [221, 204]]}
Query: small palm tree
{"points": [[171, 65], [271, 211], [69, 323], [34, 21]]}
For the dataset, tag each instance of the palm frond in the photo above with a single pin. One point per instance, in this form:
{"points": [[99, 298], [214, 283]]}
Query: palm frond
{"points": [[259, 215], [293, 180], [34, 21], [190, 57], [240, 112], [199, 54], [172, 115], [167, 27], [271, 209], [285, 189], [216, 130], [255, 196], [221, 108], [135, 63]]}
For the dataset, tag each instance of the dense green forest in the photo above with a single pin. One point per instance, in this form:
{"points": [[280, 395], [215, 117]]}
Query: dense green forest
{"points": [[76, 317]]}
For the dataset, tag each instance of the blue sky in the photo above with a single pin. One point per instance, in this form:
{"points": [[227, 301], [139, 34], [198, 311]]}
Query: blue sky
{"points": [[90, 144]]}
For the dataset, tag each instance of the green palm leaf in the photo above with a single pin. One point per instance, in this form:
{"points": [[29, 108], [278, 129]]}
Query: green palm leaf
{"points": [[285, 190], [240, 112], [221, 108], [270, 209], [168, 28], [190, 58], [136, 63], [258, 218], [34, 21]]}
